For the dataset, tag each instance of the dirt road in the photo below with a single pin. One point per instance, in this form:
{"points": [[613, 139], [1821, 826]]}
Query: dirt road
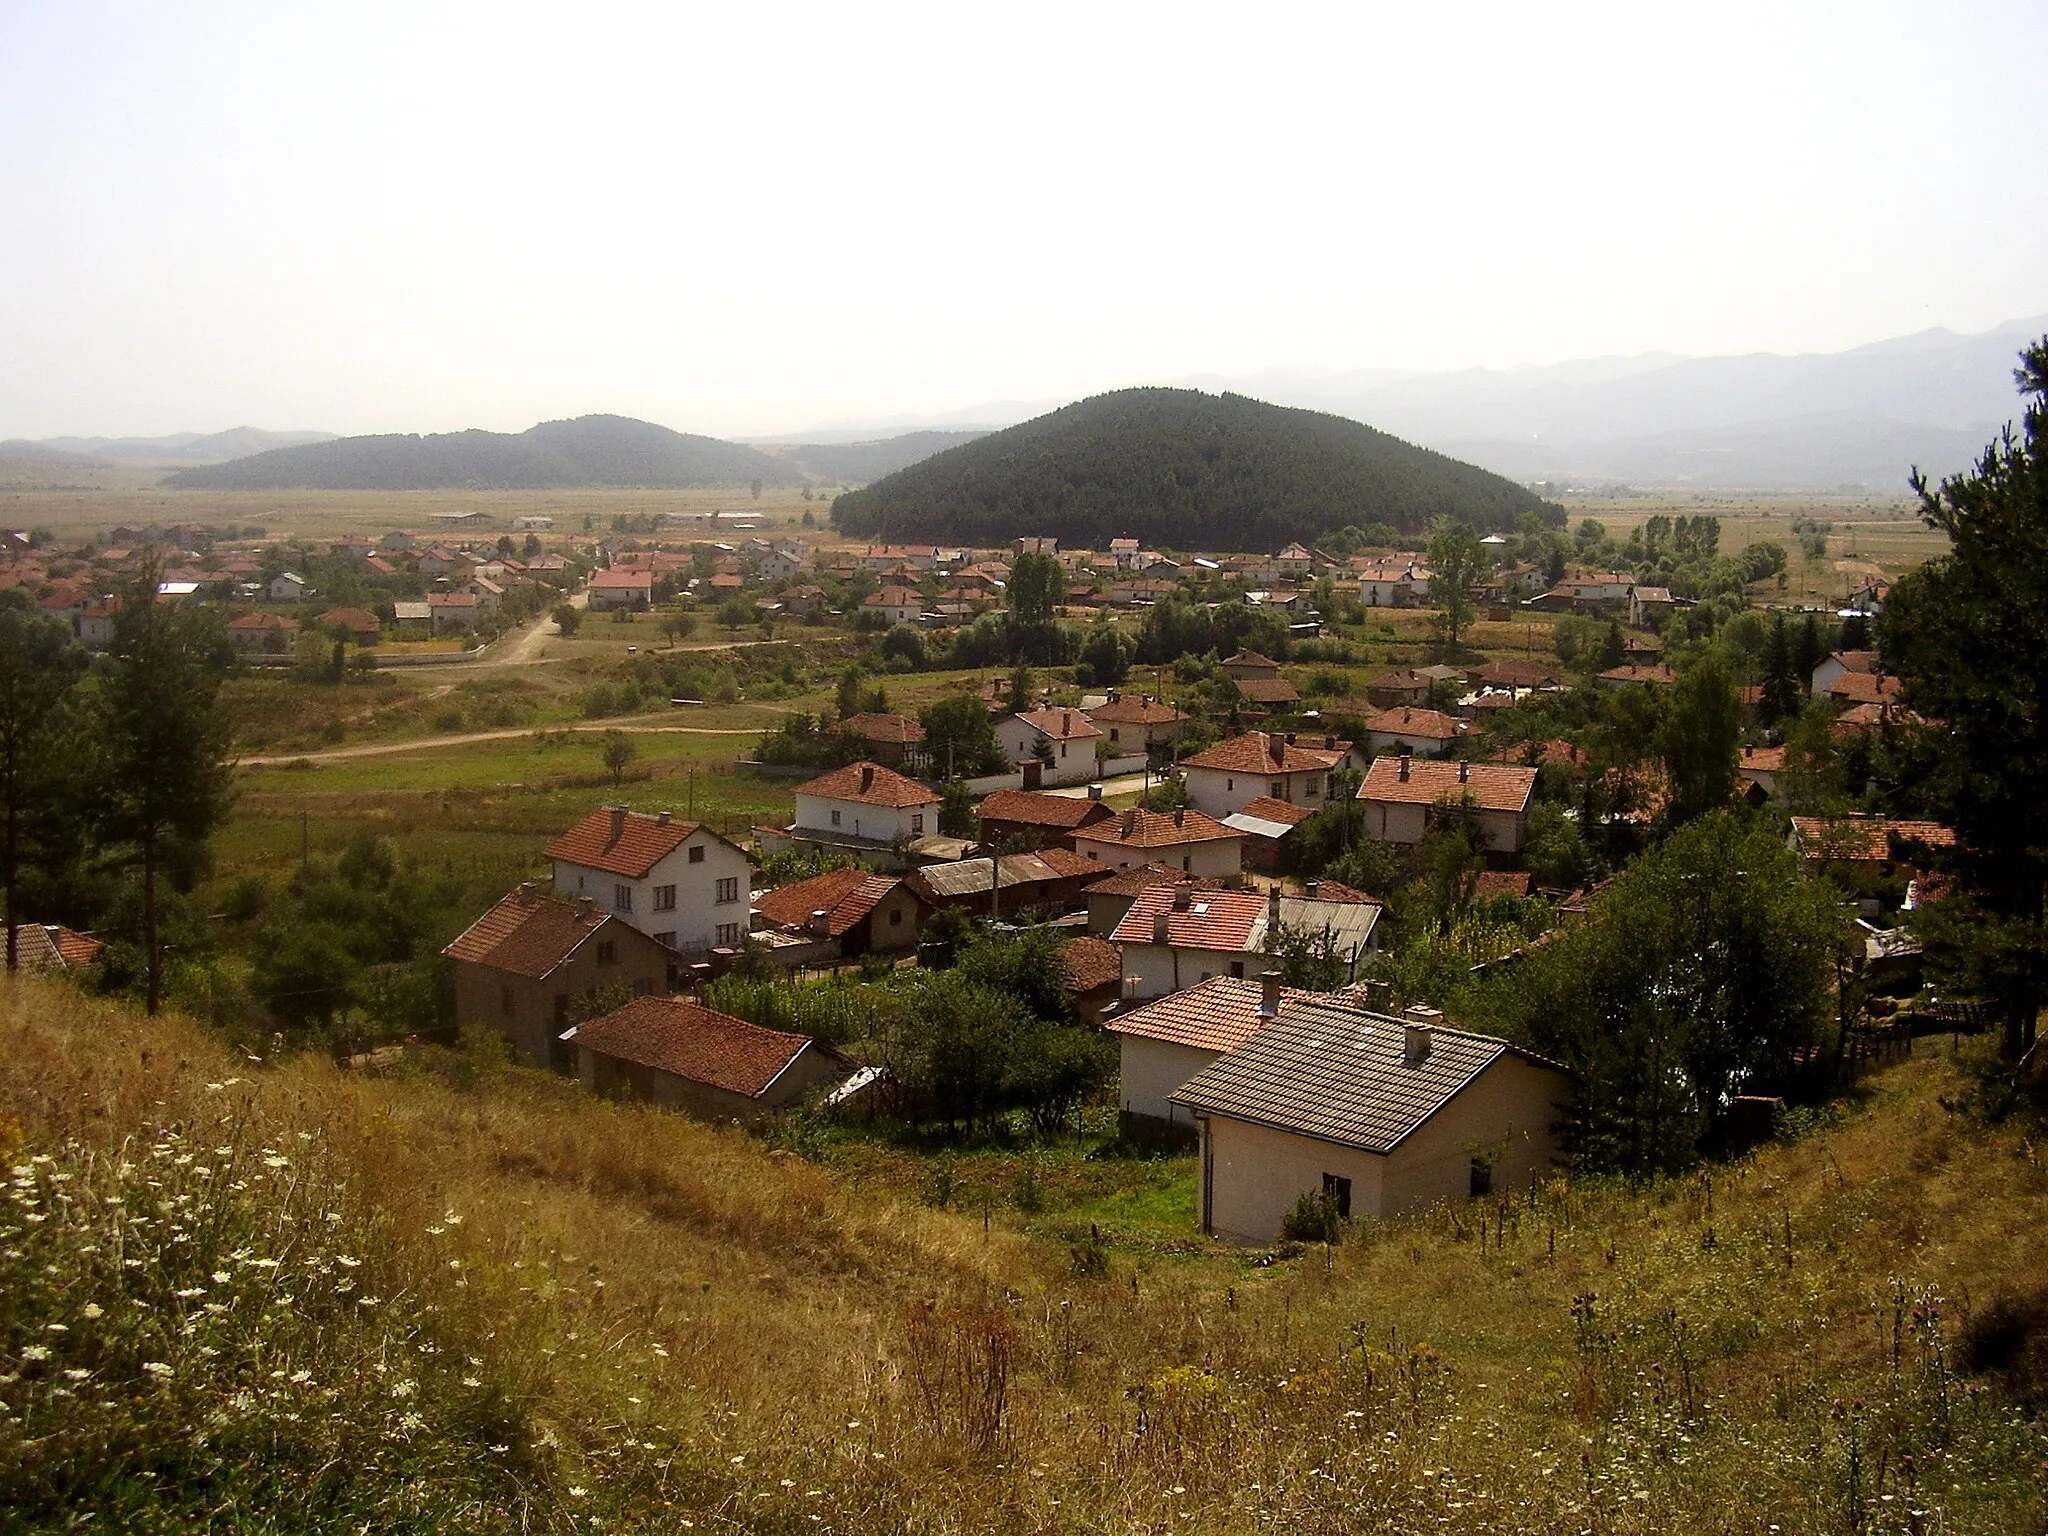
{"points": [[468, 738]]}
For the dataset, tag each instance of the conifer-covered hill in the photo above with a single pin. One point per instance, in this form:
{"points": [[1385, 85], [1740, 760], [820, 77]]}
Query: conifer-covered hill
{"points": [[1185, 469], [589, 450]]}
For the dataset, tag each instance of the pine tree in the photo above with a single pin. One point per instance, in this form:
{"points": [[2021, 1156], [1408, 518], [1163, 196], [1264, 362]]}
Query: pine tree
{"points": [[38, 665], [1782, 691]]}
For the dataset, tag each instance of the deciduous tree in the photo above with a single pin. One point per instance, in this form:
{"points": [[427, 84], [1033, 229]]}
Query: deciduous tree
{"points": [[39, 663]]}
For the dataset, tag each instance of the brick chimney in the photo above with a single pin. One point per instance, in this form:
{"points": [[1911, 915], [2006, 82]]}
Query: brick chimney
{"points": [[1094, 791], [1161, 927], [1419, 1024], [1066, 722], [1464, 773], [1310, 888], [662, 819], [1130, 820], [1404, 765], [618, 821], [821, 922], [586, 907], [1276, 746], [1183, 896], [1273, 905], [1269, 994], [1180, 816], [867, 777]]}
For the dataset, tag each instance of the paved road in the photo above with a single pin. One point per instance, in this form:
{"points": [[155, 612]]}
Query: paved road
{"points": [[1122, 784], [466, 738]]}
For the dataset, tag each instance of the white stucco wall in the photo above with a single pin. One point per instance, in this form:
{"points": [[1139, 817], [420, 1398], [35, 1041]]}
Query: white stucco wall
{"points": [[1223, 792], [698, 913], [880, 822], [1219, 857], [1151, 1069], [1160, 968], [1397, 822], [1251, 1176]]}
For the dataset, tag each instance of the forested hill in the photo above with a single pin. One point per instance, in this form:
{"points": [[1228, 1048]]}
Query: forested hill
{"points": [[590, 450], [858, 463], [1184, 469]]}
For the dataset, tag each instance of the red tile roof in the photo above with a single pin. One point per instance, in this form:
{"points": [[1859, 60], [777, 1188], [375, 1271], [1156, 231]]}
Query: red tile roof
{"points": [[892, 597], [845, 895], [1061, 724], [869, 784], [1493, 786], [1088, 964], [1864, 688], [1269, 690], [1431, 723], [1249, 659], [1035, 808], [1222, 920], [621, 842], [1266, 808], [1490, 883], [1763, 759], [1655, 674], [1336, 890], [615, 580], [76, 948], [1129, 882], [1219, 1014], [1863, 839], [684, 1039], [897, 730], [1257, 752], [1135, 711], [529, 933], [1856, 661], [1140, 828]]}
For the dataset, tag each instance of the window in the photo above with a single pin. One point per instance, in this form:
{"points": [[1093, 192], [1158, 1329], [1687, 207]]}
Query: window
{"points": [[1112, 733], [1279, 789], [664, 898], [728, 935], [729, 889], [1337, 1189], [666, 940], [622, 898], [608, 953], [1187, 863], [835, 818], [1237, 969], [896, 917], [916, 824], [1315, 787], [1482, 1177], [697, 855], [579, 882], [1230, 784]]}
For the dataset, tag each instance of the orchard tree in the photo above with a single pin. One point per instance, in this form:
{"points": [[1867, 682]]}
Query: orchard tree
{"points": [[1966, 634]]}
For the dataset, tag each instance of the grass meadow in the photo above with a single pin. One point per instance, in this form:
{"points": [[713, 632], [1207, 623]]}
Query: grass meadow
{"points": [[451, 1295]]}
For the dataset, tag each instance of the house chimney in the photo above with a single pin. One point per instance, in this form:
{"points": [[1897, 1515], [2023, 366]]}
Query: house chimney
{"points": [[1066, 722], [821, 922], [1183, 896], [586, 907], [1094, 791], [1113, 695], [1418, 1025], [1329, 743], [618, 821], [1276, 745], [1180, 816], [1310, 888], [1464, 773], [662, 819], [1130, 820], [1269, 994], [1162, 927], [1404, 765], [867, 777], [1273, 905], [1290, 738]]}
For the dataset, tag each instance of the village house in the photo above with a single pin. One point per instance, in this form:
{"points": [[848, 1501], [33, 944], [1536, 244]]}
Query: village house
{"points": [[839, 915], [1062, 740], [1865, 846], [1605, 596], [1138, 723], [1268, 696], [803, 599], [888, 557], [1760, 767], [288, 587], [887, 739], [1195, 843], [613, 588], [1175, 936], [893, 605], [1049, 881], [1268, 826], [1163, 1043], [1401, 796], [681, 1055], [407, 612], [677, 881], [1294, 562], [1024, 818], [51, 949], [359, 624], [1383, 1116], [864, 809], [268, 633], [1411, 730], [96, 624], [1227, 777], [1110, 897], [520, 968], [1654, 676], [1403, 688], [1092, 971], [1389, 583], [452, 613], [1250, 666]]}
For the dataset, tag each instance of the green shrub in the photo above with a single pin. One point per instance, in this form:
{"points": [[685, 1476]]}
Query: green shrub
{"points": [[1313, 1218]]}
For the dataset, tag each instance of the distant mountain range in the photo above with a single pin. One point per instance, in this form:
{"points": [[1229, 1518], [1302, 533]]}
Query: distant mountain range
{"points": [[178, 449], [1184, 470]]}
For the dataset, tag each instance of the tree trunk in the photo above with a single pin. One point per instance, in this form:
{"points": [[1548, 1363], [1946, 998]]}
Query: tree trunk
{"points": [[154, 964]]}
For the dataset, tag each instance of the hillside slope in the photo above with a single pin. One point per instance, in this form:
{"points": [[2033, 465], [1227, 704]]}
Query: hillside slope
{"points": [[587, 451], [454, 1296], [1182, 469], [178, 449], [858, 463]]}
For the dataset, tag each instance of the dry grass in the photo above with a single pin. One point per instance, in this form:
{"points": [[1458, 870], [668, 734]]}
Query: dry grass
{"points": [[795, 1343]]}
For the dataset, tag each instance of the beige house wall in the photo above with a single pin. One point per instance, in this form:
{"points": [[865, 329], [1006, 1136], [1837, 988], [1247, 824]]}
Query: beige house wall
{"points": [[526, 1011], [1251, 1176], [1224, 792], [1403, 822], [1151, 1069], [1217, 858], [1163, 968]]}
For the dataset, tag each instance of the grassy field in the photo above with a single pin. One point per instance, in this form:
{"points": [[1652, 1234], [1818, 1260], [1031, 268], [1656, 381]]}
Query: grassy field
{"points": [[593, 1316]]}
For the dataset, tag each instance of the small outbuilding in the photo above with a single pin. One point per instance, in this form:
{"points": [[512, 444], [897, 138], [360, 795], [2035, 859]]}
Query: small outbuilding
{"points": [[682, 1055]]}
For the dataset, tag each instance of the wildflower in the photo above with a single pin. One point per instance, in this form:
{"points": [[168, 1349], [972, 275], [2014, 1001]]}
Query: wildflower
{"points": [[35, 1352], [577, 1493], [300, 1378], [274, 1161], [77, 1375], [347, 1262], [158, 1369], [55, 1328], [188, 1293], [221, 1277], [435, 1231], [471, 1381], [452, 1219], [659, 1350]]}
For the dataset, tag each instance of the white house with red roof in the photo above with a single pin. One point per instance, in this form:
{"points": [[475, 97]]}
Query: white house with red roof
{"points": [[1138, 722], [1227, 777], [1175, 936], [1402, 795], [863, 806], [1062, 740], [1411, 729], [676, 881], [1167, 1041], [1186, 840], [614, 588], [894, 605]]}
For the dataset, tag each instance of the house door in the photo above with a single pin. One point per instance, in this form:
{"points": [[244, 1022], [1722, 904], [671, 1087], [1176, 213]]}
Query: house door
{"points": [[1338, 1189]]}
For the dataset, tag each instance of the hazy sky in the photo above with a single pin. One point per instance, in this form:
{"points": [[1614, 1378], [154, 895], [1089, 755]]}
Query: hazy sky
{"points": [[760, 217]]}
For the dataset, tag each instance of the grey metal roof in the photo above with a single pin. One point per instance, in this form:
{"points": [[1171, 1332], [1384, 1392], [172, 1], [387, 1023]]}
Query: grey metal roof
{"points": [[1339, 1074], [1349, 924]]}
